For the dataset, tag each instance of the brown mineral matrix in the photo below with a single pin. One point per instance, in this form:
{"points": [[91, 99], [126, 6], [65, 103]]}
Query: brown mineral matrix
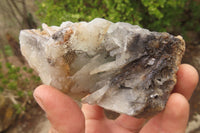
{"points": [[118, 66]]}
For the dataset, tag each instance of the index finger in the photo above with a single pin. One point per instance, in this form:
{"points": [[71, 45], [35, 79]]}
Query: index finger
{"points": [[187, 79]]}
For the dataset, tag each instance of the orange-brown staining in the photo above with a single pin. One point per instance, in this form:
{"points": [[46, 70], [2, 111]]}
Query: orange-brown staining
{"points": [[40, 32], [69, 57], [69, 82], [68, 34], [154, 43], [44, 32], [165, 35], [143, 77], [66, 37], [59, 43], [101, 36], [67, 69]]}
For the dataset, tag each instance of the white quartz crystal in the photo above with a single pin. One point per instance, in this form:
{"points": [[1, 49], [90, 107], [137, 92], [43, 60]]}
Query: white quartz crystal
{"points": [[116, 63]]}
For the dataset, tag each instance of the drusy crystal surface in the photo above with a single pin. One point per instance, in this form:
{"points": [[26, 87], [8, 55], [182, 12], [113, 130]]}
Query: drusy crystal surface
{"points": [[119, 66]]}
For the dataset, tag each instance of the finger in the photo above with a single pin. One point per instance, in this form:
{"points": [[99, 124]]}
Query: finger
{"points": [[63, 113], [93, 112], [130, 123], [96, 121], [173, 119], [187, 79]]}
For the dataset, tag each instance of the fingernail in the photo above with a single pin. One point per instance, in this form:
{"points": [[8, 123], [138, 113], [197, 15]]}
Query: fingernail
{"points": [[39, 101]]}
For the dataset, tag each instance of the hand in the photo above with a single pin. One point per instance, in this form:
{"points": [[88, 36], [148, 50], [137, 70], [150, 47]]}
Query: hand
{"points": [[66, 116]]}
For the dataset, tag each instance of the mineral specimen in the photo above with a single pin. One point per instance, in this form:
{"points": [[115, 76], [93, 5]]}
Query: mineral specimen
{"points": [[119, 66]]}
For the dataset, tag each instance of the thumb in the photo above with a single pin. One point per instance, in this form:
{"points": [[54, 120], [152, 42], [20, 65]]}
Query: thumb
{"points": [[173, 119], [63, 113]]}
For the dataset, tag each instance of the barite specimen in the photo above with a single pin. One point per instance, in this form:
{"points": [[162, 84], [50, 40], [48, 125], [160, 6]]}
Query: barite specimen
{"points": [[119, 66]]}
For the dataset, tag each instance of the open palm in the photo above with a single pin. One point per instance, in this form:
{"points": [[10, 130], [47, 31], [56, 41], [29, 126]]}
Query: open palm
{"points": [[66, 116]]}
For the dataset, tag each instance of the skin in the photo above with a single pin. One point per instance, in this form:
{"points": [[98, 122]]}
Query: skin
{"points": [[66, 116]]}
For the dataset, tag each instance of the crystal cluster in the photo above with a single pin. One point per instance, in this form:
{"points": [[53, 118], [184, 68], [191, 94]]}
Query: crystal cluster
{"points": [[119, 66]]}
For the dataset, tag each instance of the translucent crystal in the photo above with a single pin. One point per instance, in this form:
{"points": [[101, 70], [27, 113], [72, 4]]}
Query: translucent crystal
{"points": [[119, 66]]}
